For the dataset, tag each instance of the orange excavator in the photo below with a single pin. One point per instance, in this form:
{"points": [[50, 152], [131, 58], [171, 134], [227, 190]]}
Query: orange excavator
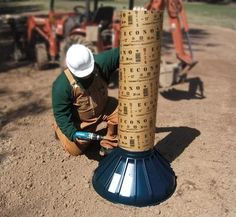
{"points": [[48, 33], [180, 31]]}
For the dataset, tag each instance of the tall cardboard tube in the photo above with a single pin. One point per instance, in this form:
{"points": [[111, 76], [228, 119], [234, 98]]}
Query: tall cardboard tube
{"points": [[140, 51]]}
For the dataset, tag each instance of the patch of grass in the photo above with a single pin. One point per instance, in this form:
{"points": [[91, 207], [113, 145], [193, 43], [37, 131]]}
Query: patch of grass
{"points": [[197, 13], [18, 7], [209, 14]]}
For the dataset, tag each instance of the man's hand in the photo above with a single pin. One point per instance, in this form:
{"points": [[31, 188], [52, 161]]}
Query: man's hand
{"points": [[82, 141], [109, 142]]}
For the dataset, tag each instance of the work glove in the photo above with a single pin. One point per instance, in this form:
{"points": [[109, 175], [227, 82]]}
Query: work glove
{"points": [[107, 145], [110, 140]]}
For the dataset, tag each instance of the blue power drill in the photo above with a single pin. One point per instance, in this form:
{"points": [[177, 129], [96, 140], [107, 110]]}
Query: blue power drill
{"points": [[88, 135]]}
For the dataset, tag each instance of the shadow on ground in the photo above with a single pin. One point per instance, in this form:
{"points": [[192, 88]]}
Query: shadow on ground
{"points": [[195, 91], [170, 147], [3, 156], [196, 35], [32, 108], [92, 152], [178, 139]]}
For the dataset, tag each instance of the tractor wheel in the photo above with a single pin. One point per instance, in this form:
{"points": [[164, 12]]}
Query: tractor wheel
{"points": [[70, 40], [41, 56]]}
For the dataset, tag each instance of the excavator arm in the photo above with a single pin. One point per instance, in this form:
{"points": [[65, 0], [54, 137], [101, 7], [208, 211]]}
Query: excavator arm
{"points": [[179, 29]]}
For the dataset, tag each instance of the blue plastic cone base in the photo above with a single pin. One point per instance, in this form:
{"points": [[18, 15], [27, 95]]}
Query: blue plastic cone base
{"points": [[134, 178]]}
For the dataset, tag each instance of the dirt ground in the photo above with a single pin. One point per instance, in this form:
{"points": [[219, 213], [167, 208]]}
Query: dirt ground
{"points": [[196, 135]]}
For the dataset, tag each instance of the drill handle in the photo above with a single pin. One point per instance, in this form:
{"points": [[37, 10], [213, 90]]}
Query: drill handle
{"points": [[88, 136]]}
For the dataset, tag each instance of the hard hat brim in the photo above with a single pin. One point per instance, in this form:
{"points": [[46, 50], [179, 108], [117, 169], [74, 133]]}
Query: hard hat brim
{"points": [[82, 73]]}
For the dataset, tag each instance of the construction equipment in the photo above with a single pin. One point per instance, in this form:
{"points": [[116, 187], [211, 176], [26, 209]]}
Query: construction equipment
{"points": [[175, 72], [171, 72], [95, 30], [48, 36], [46, 33]]}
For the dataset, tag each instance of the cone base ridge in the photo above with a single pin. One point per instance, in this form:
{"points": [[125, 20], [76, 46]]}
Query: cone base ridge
{"points": [[134, 178]]}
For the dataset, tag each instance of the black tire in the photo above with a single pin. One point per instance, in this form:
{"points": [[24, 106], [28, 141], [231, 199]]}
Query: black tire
{"points": [[70, 40], [41, 56]]}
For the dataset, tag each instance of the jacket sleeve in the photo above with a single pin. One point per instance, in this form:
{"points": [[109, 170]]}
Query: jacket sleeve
{"points": [[62, 107], [108, 62]]}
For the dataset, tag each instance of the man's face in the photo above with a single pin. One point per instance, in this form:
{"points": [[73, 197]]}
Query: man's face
{"points": [[90, 75], [86, 77]]}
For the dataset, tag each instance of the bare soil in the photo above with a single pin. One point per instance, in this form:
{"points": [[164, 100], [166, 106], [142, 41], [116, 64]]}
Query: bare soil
{"points": [[195, 134]]}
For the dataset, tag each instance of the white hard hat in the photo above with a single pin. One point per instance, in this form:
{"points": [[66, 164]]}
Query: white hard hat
{"points": [[80, 60]]}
